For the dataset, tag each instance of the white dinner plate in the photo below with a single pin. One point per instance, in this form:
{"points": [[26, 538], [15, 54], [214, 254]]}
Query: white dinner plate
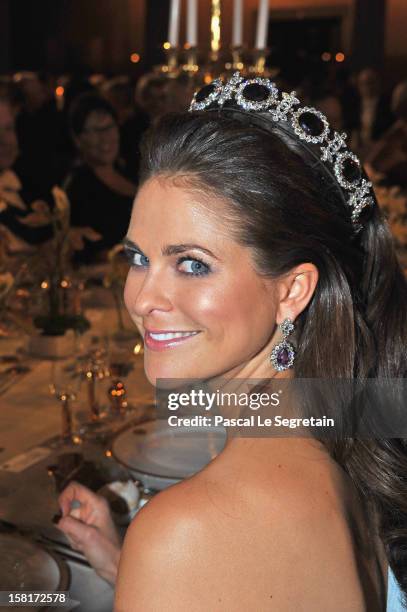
{"points": [[26, 566], [159, 455]]}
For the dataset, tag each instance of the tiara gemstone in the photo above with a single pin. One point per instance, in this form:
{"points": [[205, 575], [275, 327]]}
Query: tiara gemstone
{"points": [[351, 170], [255, 92], [311, 124], [204, 93]]}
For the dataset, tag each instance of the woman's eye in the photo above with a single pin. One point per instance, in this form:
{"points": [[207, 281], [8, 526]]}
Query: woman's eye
{"points": [[195, 267], [136, 260]]}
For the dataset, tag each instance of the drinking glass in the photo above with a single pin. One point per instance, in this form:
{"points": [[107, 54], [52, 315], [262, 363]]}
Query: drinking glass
{"points": [[65, 385]]}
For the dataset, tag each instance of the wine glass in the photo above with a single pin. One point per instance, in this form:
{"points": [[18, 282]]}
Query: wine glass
{"points": [[121, 363], [65, 385], [94, 368]]}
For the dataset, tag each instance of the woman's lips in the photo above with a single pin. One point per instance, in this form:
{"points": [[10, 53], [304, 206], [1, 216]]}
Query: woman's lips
{"points": [[161, 340]]}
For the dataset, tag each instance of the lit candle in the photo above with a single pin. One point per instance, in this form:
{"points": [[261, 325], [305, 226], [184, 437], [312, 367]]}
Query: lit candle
{"points": [[173, 28], [215, 26], [192, 23], [262, 24], [237, 34]]}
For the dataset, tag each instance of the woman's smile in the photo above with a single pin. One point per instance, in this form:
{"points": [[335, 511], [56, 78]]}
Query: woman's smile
{"points": [[162, 340]]}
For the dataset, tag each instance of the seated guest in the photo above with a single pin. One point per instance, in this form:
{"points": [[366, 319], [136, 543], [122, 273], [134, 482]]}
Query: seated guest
{"points": [[100, 193], [331, 106], [131, 119], [43, 139], [389, 156], [90, 529], [372, 110], [152, 95], [19, 197]]}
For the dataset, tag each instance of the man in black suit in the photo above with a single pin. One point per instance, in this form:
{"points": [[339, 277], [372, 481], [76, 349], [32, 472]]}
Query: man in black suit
{"points": [[371, 112]]}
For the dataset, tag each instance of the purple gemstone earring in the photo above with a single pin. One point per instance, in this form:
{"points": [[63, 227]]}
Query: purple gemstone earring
{"points": [[283, 354]]}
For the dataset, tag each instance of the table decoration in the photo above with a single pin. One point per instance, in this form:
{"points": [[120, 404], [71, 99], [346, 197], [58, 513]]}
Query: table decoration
{"points": [[174, 21], [121, 363], [95, 370], [51, 273], [114, 280], [219, 61], [237, 32], [65, 386], [117, 396], [262, 25], [14, 316]]}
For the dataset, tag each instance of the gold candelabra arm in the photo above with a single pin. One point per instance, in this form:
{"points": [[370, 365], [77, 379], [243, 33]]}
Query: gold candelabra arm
{"points": [[237, 59], [259, 61], [191, 66], [171, 65]]}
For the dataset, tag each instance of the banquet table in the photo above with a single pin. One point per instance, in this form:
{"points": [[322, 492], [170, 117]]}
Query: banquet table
{"points": [[30, 423]]}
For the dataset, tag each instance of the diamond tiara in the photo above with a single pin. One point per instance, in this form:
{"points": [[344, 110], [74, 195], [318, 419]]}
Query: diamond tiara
{"points": [[310, 125]]}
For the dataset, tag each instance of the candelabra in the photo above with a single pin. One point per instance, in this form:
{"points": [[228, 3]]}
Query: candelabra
{"points": [[258, 65], [191, 66], [238, 60], [171, 66]]}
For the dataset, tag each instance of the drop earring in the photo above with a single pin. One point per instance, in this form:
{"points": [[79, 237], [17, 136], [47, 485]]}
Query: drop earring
{"points": [[283, 354]]}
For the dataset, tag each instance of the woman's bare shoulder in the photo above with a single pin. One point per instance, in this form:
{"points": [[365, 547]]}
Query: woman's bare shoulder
{"points": [[206, 544], [162, 552]]}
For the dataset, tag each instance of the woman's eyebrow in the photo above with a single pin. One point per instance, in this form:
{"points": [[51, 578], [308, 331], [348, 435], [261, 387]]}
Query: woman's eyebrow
{"points": [[126, 242], [171, 249], [176, 249]]}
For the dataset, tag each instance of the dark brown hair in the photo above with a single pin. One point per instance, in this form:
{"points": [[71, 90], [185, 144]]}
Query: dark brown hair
{"points": [[289, 211], [85, 104]]}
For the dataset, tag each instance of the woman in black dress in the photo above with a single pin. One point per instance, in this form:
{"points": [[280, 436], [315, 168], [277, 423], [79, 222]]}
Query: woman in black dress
{"points": [[100, 193]]}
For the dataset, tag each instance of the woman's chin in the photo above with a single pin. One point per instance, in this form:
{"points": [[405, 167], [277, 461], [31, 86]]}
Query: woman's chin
{"points": [[168, 378]]}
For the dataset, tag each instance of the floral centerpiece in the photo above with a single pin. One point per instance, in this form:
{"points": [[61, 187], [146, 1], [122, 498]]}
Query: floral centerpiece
{"points": [[12, 271], [51, 266]]}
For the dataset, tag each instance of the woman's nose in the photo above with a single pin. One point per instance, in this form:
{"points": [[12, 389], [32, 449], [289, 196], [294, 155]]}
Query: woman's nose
{"points": [[142, 296]]}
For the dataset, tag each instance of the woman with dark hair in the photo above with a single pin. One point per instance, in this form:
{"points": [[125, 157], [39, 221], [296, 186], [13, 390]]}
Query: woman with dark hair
{"points": [[98, 187], [254, 223]]}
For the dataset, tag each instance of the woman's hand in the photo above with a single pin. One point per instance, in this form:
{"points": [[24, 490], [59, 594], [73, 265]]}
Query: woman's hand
{"points": [[87, 523]]}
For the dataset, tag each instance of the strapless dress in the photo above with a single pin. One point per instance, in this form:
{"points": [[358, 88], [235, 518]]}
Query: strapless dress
{"points": [[394, 595]]}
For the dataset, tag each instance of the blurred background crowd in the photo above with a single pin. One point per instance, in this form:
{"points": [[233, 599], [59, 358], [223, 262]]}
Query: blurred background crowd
{"points": [[75, 119]]}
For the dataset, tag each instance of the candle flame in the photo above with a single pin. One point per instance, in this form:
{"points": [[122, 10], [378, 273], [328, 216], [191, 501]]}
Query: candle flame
{"points": [[215, 26]]}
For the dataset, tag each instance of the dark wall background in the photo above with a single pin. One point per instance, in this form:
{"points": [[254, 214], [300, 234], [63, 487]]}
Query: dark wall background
{"points": [[59, 35], [100, 35]]}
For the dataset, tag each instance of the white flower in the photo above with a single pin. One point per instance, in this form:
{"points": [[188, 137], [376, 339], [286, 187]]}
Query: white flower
{"points": [[61, 201], [10, 186], [9, 180], [6, 282], [77, 234], [39, 217]]}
